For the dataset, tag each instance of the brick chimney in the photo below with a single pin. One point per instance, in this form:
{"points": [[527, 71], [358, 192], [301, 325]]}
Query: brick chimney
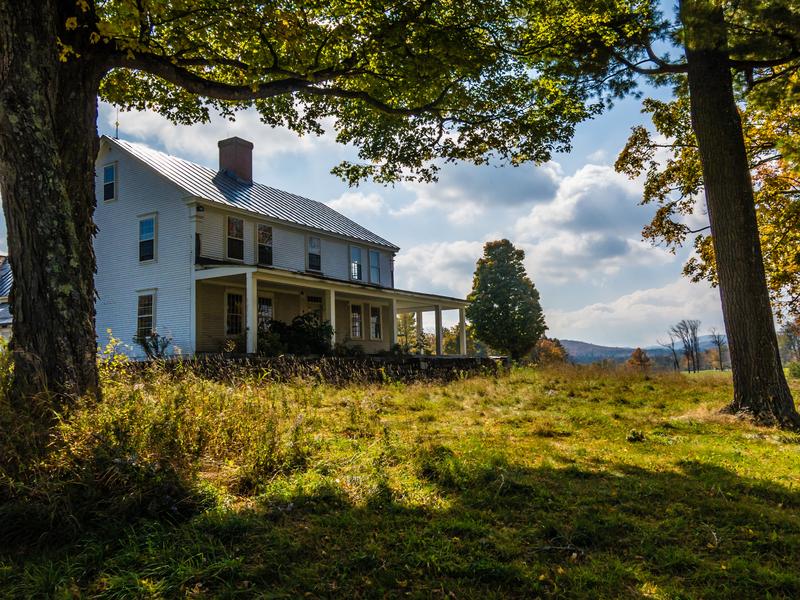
{"points": [[236, 158]]}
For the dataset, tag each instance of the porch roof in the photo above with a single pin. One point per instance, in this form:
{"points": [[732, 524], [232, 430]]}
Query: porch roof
{"points": [[407, 300]]}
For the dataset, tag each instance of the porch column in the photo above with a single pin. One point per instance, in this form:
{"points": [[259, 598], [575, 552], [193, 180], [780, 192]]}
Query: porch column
{"points": [[462, 332], [420, 334], [393, 324], [251, 312], [438, 311], [329, 312]]}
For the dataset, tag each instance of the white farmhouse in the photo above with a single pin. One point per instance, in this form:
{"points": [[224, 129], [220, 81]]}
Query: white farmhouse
{"points": [[201, 255]]}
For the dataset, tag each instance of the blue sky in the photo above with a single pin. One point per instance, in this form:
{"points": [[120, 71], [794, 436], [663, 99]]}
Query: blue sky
{"points": [[578, 221]]}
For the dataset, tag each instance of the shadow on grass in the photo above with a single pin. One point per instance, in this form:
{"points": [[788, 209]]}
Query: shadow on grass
{"points": [[499, 530]]}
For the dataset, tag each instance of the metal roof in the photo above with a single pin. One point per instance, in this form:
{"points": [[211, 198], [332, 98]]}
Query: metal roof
{"points": [[221, 188], [6, 277]]}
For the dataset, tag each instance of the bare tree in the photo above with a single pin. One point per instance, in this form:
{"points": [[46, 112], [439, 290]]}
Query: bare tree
{"points": [[720, 342], [681, 331], [676, 365], [693, 326], [686, 332]]}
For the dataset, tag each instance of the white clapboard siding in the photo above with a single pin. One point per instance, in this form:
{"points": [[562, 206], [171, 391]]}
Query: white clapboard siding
{"points": [[120, 275]]}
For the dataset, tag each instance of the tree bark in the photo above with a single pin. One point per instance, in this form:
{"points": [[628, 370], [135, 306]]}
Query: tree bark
{"points": [[48, 144], [760, 388]]}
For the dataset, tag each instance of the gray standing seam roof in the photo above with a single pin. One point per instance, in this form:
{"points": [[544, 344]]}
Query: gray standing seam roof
{"points": [[223, 189]]}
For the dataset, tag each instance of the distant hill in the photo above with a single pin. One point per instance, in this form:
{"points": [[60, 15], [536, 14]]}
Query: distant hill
{"points": [[585, 352]]}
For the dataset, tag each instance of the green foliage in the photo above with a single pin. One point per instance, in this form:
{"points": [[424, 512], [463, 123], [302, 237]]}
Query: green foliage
{"points": [[674, 182], [305, 335], [392, 78], [154, 344], [504, 305], [794, 369]]}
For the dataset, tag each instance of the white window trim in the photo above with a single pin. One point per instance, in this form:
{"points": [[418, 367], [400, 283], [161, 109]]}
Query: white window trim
{"points": [[240, 292], [380, 321], [139, 219], [307, 252], [114, 164], [225, 222], [147, 292], [350, 306]]}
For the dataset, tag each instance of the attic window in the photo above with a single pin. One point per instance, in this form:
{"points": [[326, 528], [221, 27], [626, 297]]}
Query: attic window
{"points": [[235, 238], [110, 182]]}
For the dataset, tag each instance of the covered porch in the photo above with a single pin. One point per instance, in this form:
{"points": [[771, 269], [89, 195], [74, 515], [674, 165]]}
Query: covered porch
{"points": [[229, 302]]}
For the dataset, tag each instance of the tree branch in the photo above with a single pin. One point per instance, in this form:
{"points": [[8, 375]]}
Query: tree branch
{"points": [[192, 82]]}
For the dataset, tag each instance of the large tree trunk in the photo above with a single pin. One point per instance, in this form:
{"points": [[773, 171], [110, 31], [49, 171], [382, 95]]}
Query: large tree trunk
{"points": [[48, 142], [760, 388]]}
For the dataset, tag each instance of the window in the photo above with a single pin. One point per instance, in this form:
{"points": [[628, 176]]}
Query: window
{"points": [[355, 321], [235, 238], [375, 322], [314, 306], [314, 254], [147, 239], [145, 313], [110, 182], [374, 266], [234, 314], [264, 241], [265, 312], [355, 262]]}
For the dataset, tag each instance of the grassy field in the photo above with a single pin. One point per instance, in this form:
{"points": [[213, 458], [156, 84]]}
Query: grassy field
{"points": [[570, 482]]}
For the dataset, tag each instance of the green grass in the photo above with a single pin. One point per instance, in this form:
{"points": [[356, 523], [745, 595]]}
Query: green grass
{"points": [[570, 482]]}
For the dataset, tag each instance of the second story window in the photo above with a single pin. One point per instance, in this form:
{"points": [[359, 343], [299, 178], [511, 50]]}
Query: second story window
{"points": [[235, 238], [147, 239], [110, 182], [355, 262], [264, 240], [314, 254], [374, 266]]}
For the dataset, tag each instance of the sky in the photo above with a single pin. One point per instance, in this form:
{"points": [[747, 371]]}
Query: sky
{"points": [[577, 220]]}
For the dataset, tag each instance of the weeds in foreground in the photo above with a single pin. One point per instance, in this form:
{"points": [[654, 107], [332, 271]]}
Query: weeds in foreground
{"points": [[574, 482]]}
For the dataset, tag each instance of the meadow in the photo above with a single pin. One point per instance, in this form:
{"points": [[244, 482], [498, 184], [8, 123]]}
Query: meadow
{"points": [[568, 482]]}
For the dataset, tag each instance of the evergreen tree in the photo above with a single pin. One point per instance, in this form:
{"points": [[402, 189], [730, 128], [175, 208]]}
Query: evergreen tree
{"points": [[504, 304]]}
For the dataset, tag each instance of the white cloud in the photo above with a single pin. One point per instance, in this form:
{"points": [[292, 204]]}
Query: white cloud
{"points": [[465, 192], [438, 268], [199, 142], [357, 204], [641, 317], [599, 156], [591, 229]]}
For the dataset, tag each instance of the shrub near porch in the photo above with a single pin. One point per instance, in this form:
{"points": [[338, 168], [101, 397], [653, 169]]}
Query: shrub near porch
{"points": [[516, 486]]}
